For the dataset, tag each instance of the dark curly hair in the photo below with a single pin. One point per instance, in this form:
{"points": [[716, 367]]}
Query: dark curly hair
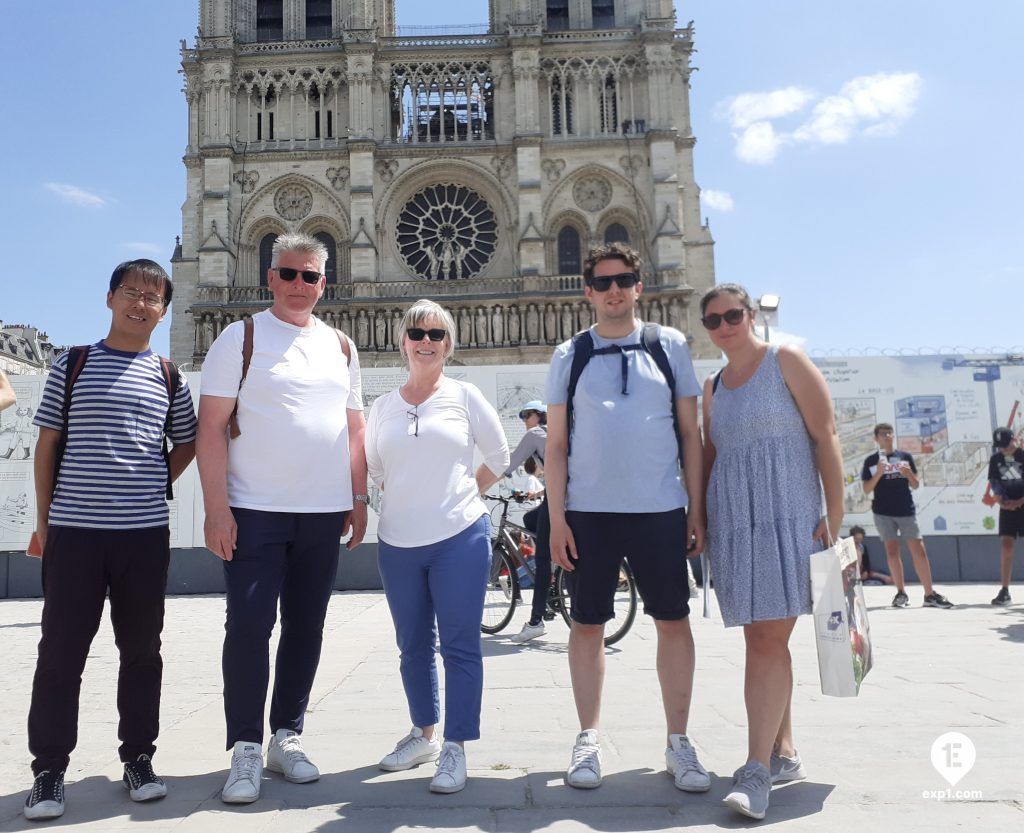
{"points": [[611, 251]]}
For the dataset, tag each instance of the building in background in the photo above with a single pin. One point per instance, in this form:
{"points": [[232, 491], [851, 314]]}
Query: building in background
{"points": [[473, 165], [24, 349]]}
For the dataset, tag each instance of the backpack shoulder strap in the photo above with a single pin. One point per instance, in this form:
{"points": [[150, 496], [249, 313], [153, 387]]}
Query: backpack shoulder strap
{"points": [[247, 340], [172, 379], [77, 357], [344, 347], [715, 381], [582, 350], [651, 341]]}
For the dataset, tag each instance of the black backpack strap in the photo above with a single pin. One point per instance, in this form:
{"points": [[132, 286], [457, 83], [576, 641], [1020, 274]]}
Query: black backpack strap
{"points": [[715, 381], [651, 341], [77, 357], [582, 350], [172, 378]]}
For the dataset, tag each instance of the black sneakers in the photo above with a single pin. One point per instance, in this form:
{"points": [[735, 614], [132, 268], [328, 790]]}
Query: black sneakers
{"points": [[1002, 599], [46, 800], [141, 782], [901, 600], [937, 600]]}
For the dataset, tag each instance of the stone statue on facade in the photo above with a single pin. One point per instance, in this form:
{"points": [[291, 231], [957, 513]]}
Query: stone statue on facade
{"points": [[550, 324], [514, 324], [654, 312], [362, 330], [568, 322], [465, 327], [481, 327], [396, 334], [532, 324], [497, 325], [380, 331]]}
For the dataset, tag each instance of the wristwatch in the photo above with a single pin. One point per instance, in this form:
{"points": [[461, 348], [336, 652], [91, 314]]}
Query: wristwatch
{"points": [[362, 499]]}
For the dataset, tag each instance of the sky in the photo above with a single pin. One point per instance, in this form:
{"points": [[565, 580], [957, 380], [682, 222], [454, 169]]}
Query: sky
{"points": [[860, 160]]}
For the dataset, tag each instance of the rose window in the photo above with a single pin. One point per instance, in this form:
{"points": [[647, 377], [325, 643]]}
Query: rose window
{"points": [[447, 232]]}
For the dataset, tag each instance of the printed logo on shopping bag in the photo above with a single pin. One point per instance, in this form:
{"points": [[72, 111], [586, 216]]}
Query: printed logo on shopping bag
{"points": [[835, 621]]}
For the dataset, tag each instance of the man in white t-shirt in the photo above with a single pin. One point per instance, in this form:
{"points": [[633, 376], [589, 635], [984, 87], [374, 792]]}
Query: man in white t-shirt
{"points": [[279, 496]]}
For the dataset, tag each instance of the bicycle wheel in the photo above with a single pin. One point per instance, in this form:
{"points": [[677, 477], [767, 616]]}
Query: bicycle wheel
{"points": [[625, 604], [502, 594]]}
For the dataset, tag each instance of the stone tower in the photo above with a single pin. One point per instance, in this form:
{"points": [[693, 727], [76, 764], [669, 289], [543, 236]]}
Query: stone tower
{"points": [[475, 168]]}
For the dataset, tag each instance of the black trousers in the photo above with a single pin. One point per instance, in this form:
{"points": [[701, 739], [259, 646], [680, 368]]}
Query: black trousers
{"points": [[540, 525], [80, 566], [286, 557]]}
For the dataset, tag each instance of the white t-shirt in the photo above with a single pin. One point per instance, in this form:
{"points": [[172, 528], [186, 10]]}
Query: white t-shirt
{"points": [[292, 455], [422, 458]]}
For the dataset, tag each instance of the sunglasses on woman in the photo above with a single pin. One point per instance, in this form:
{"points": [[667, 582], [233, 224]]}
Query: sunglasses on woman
{"points": [[417, 333], [626, 280], [286, 273], [713, 321]]}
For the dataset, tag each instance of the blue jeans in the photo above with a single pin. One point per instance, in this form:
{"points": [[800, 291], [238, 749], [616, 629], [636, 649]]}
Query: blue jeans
{"points": [[443, 582], [291, 556]]}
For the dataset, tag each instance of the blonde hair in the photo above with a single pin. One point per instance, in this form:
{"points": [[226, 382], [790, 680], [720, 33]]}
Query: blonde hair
{"points": [[424, 310]]}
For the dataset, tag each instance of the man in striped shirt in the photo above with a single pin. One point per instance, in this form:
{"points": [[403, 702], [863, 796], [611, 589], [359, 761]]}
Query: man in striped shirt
{"points": [[102, 525]]}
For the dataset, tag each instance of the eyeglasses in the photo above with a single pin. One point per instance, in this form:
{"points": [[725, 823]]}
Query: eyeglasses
{"points": [[627, 280], [417, 333], [713, 321], [286, 273], [414, 421], [150, 299]]}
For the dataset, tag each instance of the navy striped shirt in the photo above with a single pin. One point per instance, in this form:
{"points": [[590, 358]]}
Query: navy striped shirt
{"points": [[113, 475]]}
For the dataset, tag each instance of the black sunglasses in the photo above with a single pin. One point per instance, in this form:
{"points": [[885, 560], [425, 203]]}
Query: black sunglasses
{"points": [[714, 320], [627, 280], [286, 273], [417, 333]]}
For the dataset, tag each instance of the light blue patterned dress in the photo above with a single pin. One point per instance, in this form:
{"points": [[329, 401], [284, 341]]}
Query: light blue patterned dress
{"points": [[764, 500]]}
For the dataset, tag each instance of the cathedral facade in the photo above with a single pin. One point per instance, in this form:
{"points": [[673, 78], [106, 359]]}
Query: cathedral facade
{"points": [[472, 167]]}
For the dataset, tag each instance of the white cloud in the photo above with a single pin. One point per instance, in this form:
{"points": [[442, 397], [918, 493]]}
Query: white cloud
{"points": [[875, 104], [868, 105], [744, 110], [759, 144], [143, 248], [74, 195], [717, 200], [782, 337]]}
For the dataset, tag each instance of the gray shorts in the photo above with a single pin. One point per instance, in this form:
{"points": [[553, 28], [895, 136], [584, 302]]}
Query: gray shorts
{"points": [[890, 527]]}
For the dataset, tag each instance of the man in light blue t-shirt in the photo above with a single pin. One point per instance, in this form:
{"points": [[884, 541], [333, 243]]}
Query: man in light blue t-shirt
{"points": [[621, 492]]}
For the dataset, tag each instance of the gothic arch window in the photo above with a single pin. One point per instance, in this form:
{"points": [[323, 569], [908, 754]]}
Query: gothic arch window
{"points": [[562, 106], [609, 104], [318, 19], [331, 269], [266, 255], [558, 15], [602, 14], [442, 102], [269, 20], [616, 233], [570, 261]]}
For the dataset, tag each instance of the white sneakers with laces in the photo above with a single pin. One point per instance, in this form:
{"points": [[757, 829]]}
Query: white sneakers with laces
{"points": [[681, 761], [584, 770], [243, 784], [286, 755], [412, 750], [451, 769]]}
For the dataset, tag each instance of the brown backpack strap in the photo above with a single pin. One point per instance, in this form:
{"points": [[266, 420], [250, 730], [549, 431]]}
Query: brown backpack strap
{"points": [[233, 428], [344, 347]]}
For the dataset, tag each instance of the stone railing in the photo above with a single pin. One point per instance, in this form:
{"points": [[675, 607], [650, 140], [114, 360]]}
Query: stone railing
{"points": [[442, 41], [588, 35], [272, 47]]}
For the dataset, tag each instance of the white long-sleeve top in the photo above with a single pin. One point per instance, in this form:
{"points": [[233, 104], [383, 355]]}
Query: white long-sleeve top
{"points": [[422, 459]]}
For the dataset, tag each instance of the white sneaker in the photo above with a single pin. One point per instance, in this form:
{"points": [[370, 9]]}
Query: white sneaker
{"points": [[529, 632], [681, 761], [451, 770], [412, 750], [286, 755], [243, 784], [585, 767]]}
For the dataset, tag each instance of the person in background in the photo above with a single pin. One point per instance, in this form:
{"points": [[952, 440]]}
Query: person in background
{"points": [[888, 476], [1006, 477], [434, 538], [770, 450], [864, 568], [7, 394]]}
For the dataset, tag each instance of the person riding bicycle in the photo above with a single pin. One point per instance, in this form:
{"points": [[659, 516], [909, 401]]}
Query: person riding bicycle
{"points": [[534, 415]]}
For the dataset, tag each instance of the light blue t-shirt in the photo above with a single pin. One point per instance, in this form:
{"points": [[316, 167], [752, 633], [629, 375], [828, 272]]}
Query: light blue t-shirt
{"points": [[624, 450]]}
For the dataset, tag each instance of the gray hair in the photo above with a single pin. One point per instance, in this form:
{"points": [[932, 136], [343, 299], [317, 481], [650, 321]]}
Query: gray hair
{"points": [[423, 310], [298, 242]]}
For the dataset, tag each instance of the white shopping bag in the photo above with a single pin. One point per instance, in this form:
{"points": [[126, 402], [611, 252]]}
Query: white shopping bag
{"points": [[841, 629]]}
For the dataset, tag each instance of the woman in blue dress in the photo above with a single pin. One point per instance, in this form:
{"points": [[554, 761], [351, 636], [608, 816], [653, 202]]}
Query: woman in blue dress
{"points": [[770, 450]]}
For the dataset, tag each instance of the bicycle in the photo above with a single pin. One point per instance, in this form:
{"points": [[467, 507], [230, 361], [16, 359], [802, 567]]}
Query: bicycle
{"points": [[503, 585]]}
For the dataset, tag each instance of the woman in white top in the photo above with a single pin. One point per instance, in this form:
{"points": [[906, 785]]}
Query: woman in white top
{"points": [[434, 538]]}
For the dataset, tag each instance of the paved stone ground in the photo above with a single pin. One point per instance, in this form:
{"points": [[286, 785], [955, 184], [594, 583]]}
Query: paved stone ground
{"points": [[868, 758]]}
